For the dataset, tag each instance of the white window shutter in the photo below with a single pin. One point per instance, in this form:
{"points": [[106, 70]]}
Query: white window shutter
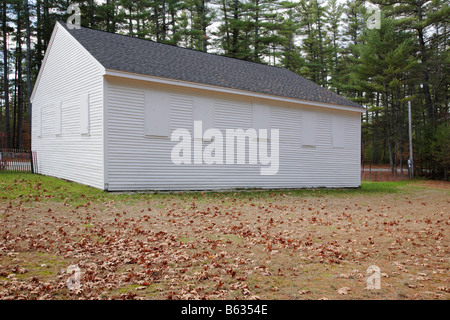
{"points": [[156, 114], [309, 128], [39, 122], [204, 109], [337, 132], [84, 114], [58, 117], [261, 117]]}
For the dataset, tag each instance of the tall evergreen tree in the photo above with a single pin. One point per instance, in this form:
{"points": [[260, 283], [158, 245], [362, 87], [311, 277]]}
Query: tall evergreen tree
{"points": [[291, 56], [335, 12], [419, 16], [383, 63], [316, 42]]}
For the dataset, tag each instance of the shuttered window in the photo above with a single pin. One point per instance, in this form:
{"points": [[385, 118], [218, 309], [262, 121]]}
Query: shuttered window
{"points": [[261, 117], [156, 114], [337, 132], [204, 111], [39, 122], [309, 128], [84, 114], [58, 117]]}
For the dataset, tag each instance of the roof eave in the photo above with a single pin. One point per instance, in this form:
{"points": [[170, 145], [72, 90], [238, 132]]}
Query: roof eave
{"points": [[182, 83]]}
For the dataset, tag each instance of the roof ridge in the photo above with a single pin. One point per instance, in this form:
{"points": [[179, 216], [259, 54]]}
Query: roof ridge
{"points": [[190, 49]]}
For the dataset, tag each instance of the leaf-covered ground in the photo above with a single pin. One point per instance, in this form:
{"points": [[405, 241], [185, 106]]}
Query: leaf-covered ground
{"points": [[291, 244]]}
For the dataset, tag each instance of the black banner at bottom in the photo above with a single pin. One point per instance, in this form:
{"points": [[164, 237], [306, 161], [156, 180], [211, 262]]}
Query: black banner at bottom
{"points": [[221, 309]]}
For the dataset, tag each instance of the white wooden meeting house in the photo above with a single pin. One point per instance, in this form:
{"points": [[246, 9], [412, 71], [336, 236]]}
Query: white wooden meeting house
{"points": [[126, 114]]}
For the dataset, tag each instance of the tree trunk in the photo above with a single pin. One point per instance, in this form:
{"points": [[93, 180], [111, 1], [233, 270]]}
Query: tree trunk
{"points": [[46, 26], [38, 34], [28, 65], [322, 62], [156, 18], [113, 17], [203, 22], [235, 30], [138, 25], [388, 127], [164, 25], [5, 76], [424, 65], [19, 79], [14, 111], [256, 31], [375, 140], [91, 13], [426, 78], [130, 22], [227, 26], [108, 17]]}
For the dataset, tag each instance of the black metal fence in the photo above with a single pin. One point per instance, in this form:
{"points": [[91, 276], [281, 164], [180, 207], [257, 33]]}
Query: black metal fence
{"points": [[16, 160]]}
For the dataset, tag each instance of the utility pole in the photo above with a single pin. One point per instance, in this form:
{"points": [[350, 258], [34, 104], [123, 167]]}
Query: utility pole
{"points": [[27, 12], [410, 161]]}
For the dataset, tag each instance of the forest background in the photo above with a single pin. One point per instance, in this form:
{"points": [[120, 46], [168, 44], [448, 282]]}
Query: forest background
{"points": [[382, 54]]}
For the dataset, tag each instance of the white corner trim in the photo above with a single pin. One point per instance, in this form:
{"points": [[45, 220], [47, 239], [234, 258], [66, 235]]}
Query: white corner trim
{"points": [[105, 134]]}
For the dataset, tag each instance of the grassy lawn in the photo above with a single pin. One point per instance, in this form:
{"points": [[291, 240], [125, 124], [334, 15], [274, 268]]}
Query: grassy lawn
{"points": [[33, 187], [277, 244]]}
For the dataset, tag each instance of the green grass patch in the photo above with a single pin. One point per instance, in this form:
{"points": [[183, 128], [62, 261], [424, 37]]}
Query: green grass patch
{"points": [[43, 265], [35, 187], [31, 188], [186, 239]]}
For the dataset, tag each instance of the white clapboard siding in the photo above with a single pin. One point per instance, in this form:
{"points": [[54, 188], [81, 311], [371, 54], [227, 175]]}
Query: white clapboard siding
{"points": [[137, 161], [66, 146]]}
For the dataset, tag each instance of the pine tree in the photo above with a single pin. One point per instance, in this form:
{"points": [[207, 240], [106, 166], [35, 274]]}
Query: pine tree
{"points": [[353, 22], [418, 16], [383, 63], [291, 57], [335, 12], [198, 19], [232, 30], [316, 43]]}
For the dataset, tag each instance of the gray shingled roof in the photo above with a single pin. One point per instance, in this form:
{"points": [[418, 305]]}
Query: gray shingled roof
{"points": [[124, 53]]}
